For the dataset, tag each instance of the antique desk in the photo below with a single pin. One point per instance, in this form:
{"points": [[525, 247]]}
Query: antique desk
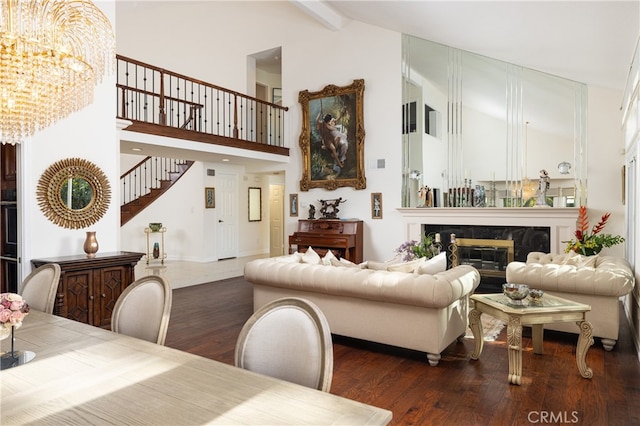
{"points": [[87, 375], [342, 237], [548, 310]]}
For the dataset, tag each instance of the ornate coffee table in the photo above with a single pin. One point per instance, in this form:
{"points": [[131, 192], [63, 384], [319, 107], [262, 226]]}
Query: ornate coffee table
{"points": [[549, 309]]}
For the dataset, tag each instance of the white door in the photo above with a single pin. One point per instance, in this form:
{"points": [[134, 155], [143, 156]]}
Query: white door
{"points": [[227, 206], [276, 221]]}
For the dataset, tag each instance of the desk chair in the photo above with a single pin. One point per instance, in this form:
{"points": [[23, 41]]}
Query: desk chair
{"points": [[40, 287], [289, 339], [143, 309]]}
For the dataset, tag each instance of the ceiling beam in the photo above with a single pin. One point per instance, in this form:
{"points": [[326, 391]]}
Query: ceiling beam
{"points": [[323, 13]]}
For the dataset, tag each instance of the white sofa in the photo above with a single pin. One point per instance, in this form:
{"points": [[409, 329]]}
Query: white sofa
{"points": [[598, 281], [417, 311]]}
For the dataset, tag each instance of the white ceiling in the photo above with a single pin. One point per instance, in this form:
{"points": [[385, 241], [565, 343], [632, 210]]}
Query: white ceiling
{"points": [[587, 41]]}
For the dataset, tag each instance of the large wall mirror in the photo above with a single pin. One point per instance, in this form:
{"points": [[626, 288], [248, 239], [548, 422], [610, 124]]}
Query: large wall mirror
{"points": [[73, 193], [255, 204], [471, 120]]}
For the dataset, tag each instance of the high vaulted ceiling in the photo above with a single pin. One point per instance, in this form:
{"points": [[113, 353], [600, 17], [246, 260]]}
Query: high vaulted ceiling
{"points": [[587, 41]]}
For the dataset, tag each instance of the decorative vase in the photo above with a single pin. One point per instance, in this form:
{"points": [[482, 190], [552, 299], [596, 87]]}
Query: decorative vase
{"points": [[156, 250], [90, 244]]}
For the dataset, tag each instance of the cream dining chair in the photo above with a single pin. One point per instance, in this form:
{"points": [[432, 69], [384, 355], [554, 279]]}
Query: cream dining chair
{"points": [[40, 287], [289, 339], [143, 309]]}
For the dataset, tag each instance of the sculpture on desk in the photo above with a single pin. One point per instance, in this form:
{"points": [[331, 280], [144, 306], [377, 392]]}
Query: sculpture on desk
{"points": [[312, 212], [329, 209]]}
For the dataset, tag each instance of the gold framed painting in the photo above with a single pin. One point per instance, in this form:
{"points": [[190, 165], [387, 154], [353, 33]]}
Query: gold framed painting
{"points": [[376, 205], [332, 137], [209, 198]]}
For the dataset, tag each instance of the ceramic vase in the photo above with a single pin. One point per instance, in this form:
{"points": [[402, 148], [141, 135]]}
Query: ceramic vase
{"points": [[90, 244]]}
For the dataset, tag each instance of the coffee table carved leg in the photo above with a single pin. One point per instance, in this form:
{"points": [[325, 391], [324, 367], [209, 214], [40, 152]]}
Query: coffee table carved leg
{"points": [[476, 328], [584, 342], [514, 341]]}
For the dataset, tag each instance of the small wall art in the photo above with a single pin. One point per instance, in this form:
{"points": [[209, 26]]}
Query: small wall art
{"points": [[209, 198], [376, 205], [293, 205]]}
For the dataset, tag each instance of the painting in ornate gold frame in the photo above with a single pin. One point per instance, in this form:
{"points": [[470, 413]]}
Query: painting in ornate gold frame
{"points": [[332, 138]]}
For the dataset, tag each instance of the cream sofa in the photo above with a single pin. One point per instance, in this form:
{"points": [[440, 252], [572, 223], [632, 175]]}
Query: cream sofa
{"points": [[598, 281], [416, 311]]}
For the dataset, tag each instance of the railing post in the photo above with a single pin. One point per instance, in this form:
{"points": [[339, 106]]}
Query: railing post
{"points": [[163, 115], [235, 116]]}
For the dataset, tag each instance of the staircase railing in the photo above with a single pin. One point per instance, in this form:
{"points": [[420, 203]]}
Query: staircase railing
{"points": [[154, 95], [147, 175]]}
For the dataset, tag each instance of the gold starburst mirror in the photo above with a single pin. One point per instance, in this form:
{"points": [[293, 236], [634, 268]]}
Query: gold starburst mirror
{"points": [[73, 193]]}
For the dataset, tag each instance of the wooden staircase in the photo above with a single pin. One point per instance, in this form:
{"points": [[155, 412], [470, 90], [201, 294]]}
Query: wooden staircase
{"points": [[147, 181]]}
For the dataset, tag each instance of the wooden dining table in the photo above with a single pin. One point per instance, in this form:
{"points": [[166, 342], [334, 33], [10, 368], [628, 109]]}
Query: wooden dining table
{"points": [[87, 375]]}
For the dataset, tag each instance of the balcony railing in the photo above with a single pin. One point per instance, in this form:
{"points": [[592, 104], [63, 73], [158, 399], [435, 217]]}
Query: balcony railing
{"points": [[154, 95]]}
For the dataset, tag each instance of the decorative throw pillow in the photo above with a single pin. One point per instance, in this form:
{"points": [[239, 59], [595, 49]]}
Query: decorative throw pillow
{"points": [[326, 260], [310, 256], [344, 262], [382, 266], [292, 258], [572, 258], [588, 261], [406, 266], [434, 265]]}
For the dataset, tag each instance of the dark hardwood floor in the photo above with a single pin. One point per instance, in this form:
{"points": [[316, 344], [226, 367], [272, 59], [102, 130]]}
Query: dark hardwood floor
{"points": [[206, 320]]}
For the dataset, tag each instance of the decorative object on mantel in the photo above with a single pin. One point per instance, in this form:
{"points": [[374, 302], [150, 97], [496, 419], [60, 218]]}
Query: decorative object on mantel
{"points": [[13, 309], [53, 54], [590, 244], [90, 245], [329, 209], [429, 246], [543, 186], [312, 212], [155, 226]]}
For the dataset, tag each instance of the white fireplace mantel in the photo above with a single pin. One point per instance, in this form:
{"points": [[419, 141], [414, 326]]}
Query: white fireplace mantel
{"points": [[561, 221]]}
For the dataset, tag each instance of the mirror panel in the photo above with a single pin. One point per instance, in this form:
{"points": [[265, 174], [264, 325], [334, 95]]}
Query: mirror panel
{"points": [[501, 124], [87, 201], [255, 204]]}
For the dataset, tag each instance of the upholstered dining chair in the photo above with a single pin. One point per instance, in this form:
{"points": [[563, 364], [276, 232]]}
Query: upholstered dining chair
{"points": [[39, 287], [289, 339], [143, 309]]}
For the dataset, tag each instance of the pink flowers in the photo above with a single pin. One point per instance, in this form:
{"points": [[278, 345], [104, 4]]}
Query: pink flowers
{"points": [[13, 309]]}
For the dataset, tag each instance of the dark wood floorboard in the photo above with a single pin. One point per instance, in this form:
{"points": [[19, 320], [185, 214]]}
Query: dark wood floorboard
{"points": [[206, 320]]}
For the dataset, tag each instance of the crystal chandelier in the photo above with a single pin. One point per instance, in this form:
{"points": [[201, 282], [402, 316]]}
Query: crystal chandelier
{"points": [[52, 55]]}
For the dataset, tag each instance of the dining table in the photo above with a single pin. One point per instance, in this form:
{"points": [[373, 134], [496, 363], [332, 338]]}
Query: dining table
{"points": [[87, 375]]}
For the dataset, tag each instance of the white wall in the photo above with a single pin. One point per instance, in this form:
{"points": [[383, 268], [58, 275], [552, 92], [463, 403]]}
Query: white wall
{"points": [[89, 134], [313, 57]]}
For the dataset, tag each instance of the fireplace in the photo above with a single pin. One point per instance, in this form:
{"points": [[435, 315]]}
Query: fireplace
{"points": [[530, 229], [525, 238]]}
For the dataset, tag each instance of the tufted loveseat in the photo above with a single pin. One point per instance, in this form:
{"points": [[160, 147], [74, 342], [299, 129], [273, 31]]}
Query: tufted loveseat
{"points": [[424, 312], [598, 281]]}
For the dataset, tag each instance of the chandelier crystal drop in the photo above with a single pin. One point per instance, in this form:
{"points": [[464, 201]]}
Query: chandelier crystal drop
{"points": [[52, 55]]}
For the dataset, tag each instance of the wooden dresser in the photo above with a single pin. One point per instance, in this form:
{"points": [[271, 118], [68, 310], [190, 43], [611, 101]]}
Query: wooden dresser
{"points": [[342, 237], [89, 288]]}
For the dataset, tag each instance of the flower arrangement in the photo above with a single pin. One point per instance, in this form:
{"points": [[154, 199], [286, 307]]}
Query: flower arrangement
{"points": [[427, 247], [13, 309], [590, 244]]}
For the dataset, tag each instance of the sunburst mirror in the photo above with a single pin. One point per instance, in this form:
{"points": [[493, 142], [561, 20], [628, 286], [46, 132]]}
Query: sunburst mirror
{"points": [[73, 193]]}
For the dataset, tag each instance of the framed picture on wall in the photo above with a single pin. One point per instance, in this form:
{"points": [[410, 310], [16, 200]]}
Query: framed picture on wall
{"points": [[293, 205], [376, 205], [209, 198], [332, 138]]}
